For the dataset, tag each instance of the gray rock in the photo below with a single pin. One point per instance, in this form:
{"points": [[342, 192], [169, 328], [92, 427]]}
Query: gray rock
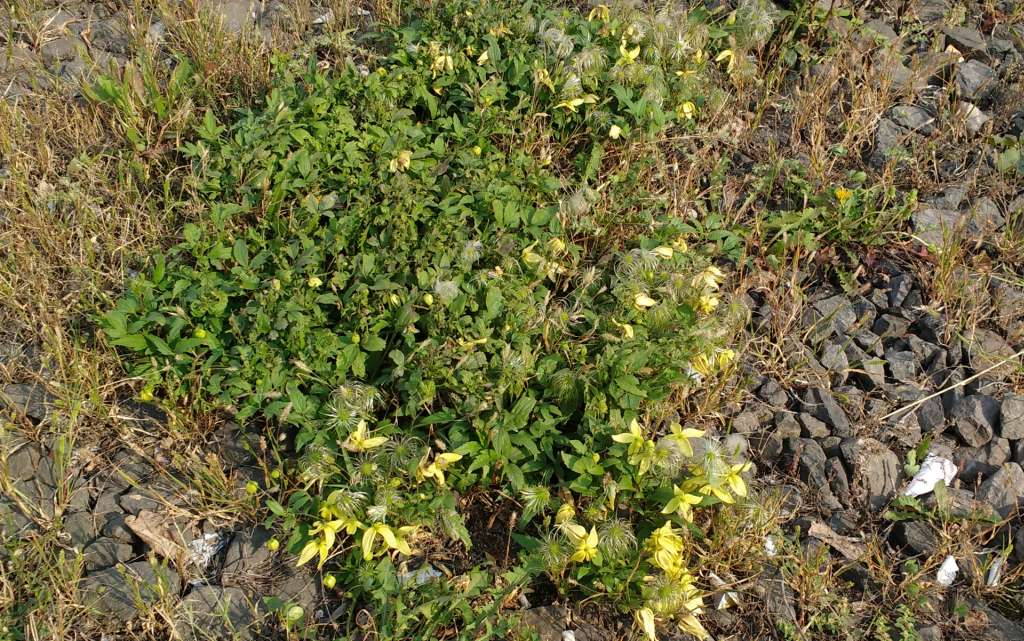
{"points": [[980, 463], [301, 589], [547, 621], [216, 612], [810, 461], [236, 447], [778, 597], [812, 427], [930, 327], [975, 80], [954, 395], [746, 423], [838, 311], [901, 366], [888, 138], [830, 445], [1011, 417], [773, 394], [844, 521], [113, 592], [786, 425], [983, 218], [22, 462], [834, 358], [1002, 488], [899, 287], [988, 349], [838, 481], [39, 495], [930, 12], [822, 406], [970, 42], [889, 326], [80, 528], [998, 628], [931, 227], [248, 550], [236, 14], [904, 428], [914, 119], [877, 467], [60, 49], [116, 529], [960, 503], [974, 419], [105, 553], [34, 401], [923, 350], [129, 469], [931, 416], [917, 538], [110, 35], [867, 371], [143, 416], [107, 502], [768, 445], [868, 341], [1008, 305], [879, 31]]}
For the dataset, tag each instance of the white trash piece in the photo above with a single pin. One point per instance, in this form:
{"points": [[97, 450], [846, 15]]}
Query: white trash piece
{"points": [[568, 635], [995, 572], [933, 469], [727, 599], [947, 571], [420, 576], [769, 546]]}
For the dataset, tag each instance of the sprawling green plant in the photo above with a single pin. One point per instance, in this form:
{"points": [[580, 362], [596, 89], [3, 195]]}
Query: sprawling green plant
{"points": [[422, 262]]}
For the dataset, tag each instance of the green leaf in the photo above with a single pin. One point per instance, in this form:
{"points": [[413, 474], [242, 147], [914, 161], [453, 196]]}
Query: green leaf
{"points": [[240, 252], [373, 344], [629, 384], [135, 342]]}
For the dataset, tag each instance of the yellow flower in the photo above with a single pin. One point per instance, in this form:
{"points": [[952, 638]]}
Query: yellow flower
{"points": [[687, 110], [401, 161], [395, 539], [643, 301], [532, 258], [645, 619], [484, 57], [628, 57], [315, 282], [436, 469], [600, 12], [681, 502], [634, 438], [723, 357], [732, 59], [440, 64], [663, 252], [357, 441], [843, 194], [565, 514], [735, 481], [615, 132], [586, 543], [626, 328], [682, 437], [708, 278], [570, 105], [707, 303], [691, 625], [701, 364], [557, 245]]}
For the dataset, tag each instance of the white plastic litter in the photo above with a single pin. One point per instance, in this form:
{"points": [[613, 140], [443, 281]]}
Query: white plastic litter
{"points": [[727, 599], [769, 546], [933, 469], [524, 603], [202, 549], [420, 576], [947, 571], [325, 18], [568, 635], [995, 571]]}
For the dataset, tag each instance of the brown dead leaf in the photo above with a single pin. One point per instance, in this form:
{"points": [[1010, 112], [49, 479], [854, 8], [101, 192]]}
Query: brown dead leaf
{"points": [[846, 546], [976, 620], [152, 528]]}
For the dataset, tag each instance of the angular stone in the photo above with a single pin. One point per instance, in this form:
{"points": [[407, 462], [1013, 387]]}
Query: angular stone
{"points": [[116, 529], [888, 138], [968, 41], [1008, 303], [917, 538], [869, 342], [868, 372], [914, 119], [974, 419], [980, 463], [810, 461], [746, 423], [904, 428], [248, 550], [812, 427], [773, 394], [899, 287], [988, 350], [107, 502], [1002, 488], [113, 592], [889, 326], [129, 469], [901, 366], [983, 218], [215, 612], [931, 416], [997, 627], [838, 481], [236, 447], [1011, 417], [931, 226], [786, 425], [975, 80], [13, 522], [838, 311], [60, 49], [22, 462], [822, 406], [923, 351], [877, 467], [105, 553], [768, 446], [930, 12], [834, 358], [34, 401], [143, 416], [960, 503], [80, 527]]}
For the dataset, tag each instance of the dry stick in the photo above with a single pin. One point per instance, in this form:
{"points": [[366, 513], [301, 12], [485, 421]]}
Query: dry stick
{"points": [[951, 387]]}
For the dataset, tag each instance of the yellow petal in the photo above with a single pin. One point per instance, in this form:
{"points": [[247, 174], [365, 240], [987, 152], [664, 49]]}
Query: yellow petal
{"points": [[576, 533], [623, 438], [450, 457], [643, 301], [615, 131], [645, 617], [663, 252], [484, 57], [308, 552], [368, 537]]}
